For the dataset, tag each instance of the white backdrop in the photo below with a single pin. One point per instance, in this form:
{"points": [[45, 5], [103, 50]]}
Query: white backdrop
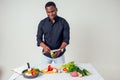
{"points": [[95, 33]]}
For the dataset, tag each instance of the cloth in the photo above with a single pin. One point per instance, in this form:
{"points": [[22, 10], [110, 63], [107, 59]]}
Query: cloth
{"points": [[19, 69], [53, 34], [17, 72]]}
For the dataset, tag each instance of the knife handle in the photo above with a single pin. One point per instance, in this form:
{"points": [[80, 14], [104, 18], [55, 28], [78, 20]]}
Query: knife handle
{"points": [[28, 65]]}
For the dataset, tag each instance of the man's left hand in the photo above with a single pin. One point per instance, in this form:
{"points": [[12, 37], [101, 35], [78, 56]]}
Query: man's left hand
{"points": [[56, 54]]}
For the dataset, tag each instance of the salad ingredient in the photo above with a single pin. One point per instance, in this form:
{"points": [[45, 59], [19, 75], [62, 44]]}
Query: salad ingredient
{"points": [[34, 72], [54, 70], [74, 74], [86, 72], [79, 75], [50, 68], [51, 53], [71, 67], [65, 69]]}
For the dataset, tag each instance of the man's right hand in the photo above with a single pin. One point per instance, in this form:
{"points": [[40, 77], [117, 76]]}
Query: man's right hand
{"points": [[46, 49]]}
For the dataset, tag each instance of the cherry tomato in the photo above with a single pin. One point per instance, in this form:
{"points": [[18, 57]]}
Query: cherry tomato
{"points": [[65, 69]]}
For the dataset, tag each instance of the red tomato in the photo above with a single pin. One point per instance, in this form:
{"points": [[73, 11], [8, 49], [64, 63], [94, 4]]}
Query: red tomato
{"points": [[65, 69], [33, 72], [50, 68]]}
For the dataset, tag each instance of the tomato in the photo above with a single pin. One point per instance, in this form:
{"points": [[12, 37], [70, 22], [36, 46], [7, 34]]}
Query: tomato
{"points": [[65, 69], [33, 72], [50, 68]]}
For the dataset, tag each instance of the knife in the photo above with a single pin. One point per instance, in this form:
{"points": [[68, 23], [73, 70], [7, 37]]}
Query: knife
{"points": [[29, 69], [55, 50]]}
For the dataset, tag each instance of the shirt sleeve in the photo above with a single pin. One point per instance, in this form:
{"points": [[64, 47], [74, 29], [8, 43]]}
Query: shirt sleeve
{"points": [[39, 34], [66, 32]]}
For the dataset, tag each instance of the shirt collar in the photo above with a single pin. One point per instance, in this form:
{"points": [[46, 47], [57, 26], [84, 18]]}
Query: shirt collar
{"points": [[56, 18]]}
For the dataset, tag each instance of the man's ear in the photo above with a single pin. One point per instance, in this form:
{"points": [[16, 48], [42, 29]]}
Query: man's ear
{"points": [[56, 9]]}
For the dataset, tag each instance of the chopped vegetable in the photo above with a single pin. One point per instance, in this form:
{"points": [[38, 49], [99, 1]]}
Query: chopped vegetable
{"points": [[33, 72]]}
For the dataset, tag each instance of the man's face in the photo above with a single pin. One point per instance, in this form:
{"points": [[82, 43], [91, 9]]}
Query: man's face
{"points": [[51, 12]]}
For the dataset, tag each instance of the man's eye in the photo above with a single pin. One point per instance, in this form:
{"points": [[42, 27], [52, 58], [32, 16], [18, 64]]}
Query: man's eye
{"points": [[50, 11]]}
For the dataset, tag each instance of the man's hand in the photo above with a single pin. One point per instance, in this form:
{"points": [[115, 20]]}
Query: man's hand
{"points": [[56, 54], [46, 49]]}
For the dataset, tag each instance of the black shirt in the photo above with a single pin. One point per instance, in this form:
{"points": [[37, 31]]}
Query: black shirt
{"points": [[53, 34]]}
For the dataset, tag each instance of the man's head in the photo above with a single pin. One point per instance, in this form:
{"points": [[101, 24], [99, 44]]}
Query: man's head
{"points": [[51, 10]]}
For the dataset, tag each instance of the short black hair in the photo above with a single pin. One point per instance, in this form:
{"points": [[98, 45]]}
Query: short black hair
{"points": [[50, 4]]}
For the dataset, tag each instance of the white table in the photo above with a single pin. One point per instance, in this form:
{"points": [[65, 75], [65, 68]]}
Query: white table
{"points": [[64, 76]]}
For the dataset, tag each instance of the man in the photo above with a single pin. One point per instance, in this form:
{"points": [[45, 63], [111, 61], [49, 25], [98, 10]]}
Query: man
{"points": [[53, 33]]}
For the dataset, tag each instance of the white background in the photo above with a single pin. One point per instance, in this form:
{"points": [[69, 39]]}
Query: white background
{"points": [[95, 33]]}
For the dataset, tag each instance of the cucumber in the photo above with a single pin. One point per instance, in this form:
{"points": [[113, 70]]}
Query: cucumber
{"points": [[80, 71], [51, 54], [86, 72]]}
